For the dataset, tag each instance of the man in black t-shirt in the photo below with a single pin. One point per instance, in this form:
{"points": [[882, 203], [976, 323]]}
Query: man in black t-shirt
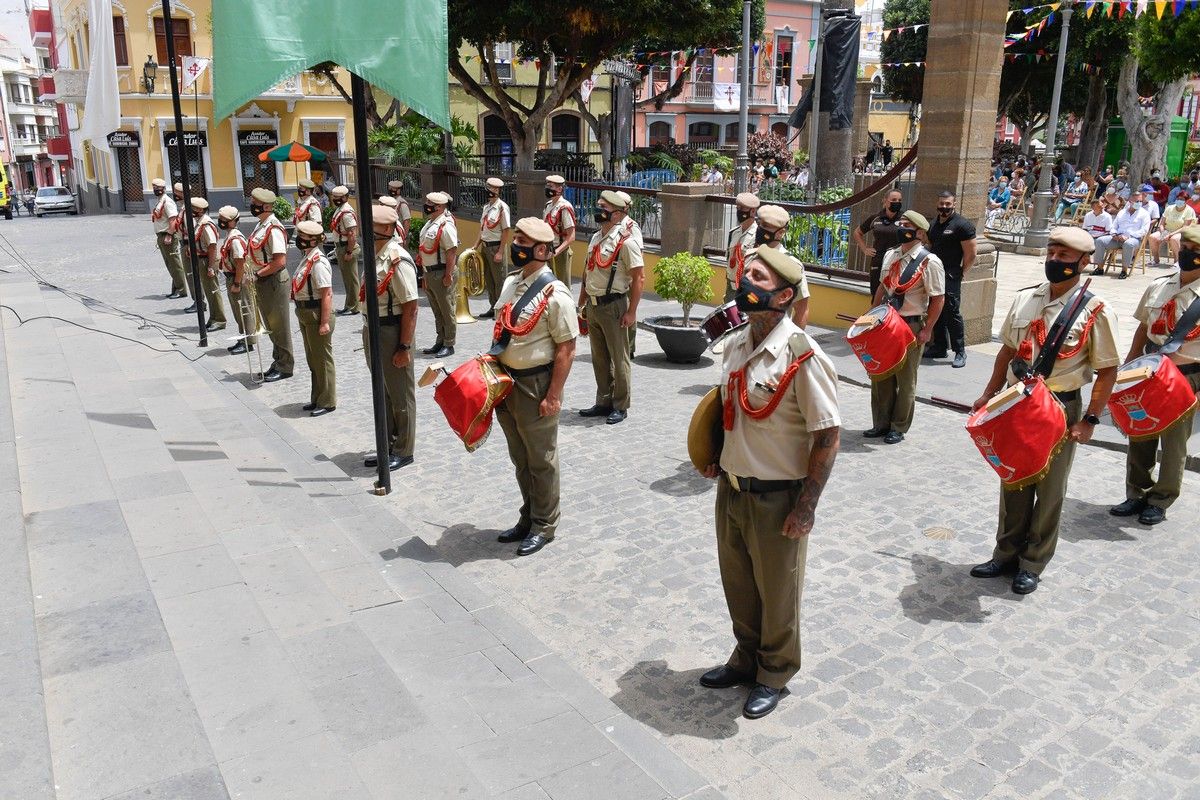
{"points": [[882, 227], [952, 240]]}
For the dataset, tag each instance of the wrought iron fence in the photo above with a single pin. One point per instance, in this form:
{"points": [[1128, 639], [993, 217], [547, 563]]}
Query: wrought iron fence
{"points": [[468, 191], [819, 240], [408, 174], [646, 209]]}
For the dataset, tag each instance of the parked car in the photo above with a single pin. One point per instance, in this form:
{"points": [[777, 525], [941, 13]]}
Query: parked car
{"points": [[52, 199]]}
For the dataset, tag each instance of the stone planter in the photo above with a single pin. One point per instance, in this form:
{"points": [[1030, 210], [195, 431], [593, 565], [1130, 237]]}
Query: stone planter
{"points": [[679, 344]]}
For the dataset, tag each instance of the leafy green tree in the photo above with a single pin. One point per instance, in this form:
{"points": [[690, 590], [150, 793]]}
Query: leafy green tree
{"points": [[904, 84]]}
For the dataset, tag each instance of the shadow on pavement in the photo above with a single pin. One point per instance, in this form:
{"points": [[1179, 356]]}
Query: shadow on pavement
{"points": [[945, 592], [675, 704], [140, 421], [659, 361], [570, 418], [696, 389], [464, 543], [291, 410], [1088, 522], [686, 482]]}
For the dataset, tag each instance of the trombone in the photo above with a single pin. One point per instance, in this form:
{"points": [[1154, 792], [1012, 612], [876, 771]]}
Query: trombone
{"points": [[250, 320]]}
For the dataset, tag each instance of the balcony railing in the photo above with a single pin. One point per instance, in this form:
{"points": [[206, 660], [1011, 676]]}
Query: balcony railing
{"points": [[704, 92]]}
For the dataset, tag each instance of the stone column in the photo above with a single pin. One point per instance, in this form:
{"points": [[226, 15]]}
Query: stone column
{"points": [[685, 216], [862, 118], [531, 194], [831, 163]]}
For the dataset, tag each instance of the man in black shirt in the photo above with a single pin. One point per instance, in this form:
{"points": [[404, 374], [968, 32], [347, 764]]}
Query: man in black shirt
{"points": [[882, 227], [951, 239]]}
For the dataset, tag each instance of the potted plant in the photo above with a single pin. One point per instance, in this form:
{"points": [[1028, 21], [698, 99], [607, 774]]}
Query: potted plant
{"points": [[687, 279], [283, 212]]}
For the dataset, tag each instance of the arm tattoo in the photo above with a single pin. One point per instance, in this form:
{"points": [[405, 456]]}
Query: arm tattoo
{"points": [[820, 464]]}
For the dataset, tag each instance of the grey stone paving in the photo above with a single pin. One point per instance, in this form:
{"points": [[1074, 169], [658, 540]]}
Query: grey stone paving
{"points": [[919, 682]]}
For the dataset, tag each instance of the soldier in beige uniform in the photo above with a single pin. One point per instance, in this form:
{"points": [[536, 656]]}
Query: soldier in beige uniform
{"points": [[772, 222], [1162, 307], [396, 286], [267, 247], [1028, 530], [162, 216], [739, 245], [914, 283], [609, 296], [495, 231], [312, 292], [231, 259], [344, 226], [307, 207], [536, 349], [399, 229], [559, 214], [437, 255], [779, 395], [179, 226], [207, 240], [403, 213]]}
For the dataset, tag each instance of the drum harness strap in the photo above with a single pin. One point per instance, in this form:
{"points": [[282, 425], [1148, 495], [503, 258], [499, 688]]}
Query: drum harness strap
{"points": [[1182, 330], [909, 277], [594, 262], [382, 286], [1056, 337], [503, 334]]}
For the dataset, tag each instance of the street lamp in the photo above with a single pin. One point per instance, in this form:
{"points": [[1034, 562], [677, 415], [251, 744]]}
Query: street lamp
{"points": [[149, 71], [1037, 235]]}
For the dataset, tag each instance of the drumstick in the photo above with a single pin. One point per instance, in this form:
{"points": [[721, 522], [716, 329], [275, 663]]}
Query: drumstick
{"points": [[951, 404], [847, 318]]}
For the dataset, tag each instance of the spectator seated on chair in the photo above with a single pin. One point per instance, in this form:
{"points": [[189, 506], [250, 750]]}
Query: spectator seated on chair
{"points": [[1098, 221], [1177, 217], [1129, 228], [998, 199], [1075, 194]]}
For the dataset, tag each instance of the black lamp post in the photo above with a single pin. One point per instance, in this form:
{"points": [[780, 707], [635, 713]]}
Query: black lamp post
{"points": [[149, 71]]}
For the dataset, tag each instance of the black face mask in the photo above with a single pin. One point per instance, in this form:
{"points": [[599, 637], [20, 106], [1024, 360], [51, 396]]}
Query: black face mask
{"points": [[493, 196], [428, 208], [395, 194], [895, 207], [742, 216], [603, 215], [1188, 259], [302, 193], [223, 224], [550, 194], [159, 192], [905, 235], [304, 245], [256, 209], [1060, 271], [944, 211], [520, 254], [751, 298], [763, 236]]}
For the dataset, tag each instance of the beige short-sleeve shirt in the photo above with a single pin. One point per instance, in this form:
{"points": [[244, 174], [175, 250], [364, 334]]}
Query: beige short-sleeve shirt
{"points": [[1150, 310], [777, 448], [559, 215], [600, 251], [322, 274], [494, 221], [430, 241], [559, 322], [741, 243], [403, 286], [234, 247], [932, 283], [344, 220], [309, 210], [264, 246], [1073, 372], [634, 230], [164, 211], [206, 233]]}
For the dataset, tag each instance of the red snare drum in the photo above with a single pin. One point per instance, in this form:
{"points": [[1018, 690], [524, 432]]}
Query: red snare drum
{"points": [[881, 340], [468, 396], [1150, 396], [1019, 432], [726, 319]]}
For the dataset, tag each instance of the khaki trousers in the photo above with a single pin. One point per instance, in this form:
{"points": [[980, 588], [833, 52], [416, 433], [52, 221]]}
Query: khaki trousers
{"points": [[441, 302], [1028, 529], [561, 266], [212, 294], [318, 352], [493, 271], [173, 262], [1139, 464], [244, 307], [401, 389], [894, 398], [351, 279], [762, 572], [611, 361], [273, 304], [533, 448]]}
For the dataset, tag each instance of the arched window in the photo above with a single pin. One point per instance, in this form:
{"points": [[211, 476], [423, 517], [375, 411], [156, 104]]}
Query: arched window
{"points": [[731, 133], [564, 132], [780, 129], [659, 132], [703, 132]]}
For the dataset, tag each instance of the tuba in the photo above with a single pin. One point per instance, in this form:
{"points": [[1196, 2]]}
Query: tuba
{"points": [[470, 284]]}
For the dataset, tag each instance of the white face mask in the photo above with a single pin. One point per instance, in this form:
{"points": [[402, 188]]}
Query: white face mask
{"points": [[1180, 204]]}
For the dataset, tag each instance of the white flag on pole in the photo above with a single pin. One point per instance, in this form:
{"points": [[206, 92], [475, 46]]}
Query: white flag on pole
{"points": [[781, 99], [585, 89], [102, 114], [193, 68], [727, 96]]}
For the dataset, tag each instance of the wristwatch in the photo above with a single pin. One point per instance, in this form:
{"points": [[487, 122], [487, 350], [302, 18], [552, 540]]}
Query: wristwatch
{"points": [[1091, 419], [403, 347]]}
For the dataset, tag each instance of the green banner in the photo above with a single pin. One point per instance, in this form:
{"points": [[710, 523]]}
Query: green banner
{"points": [[398, 46]]}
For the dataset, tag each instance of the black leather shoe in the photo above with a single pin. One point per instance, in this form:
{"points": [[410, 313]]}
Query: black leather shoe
{"points": [[238, 349], [893, 437], [308, 406], [1098, 271], [1132, 506], [1025, 582], [190, 309], [275, 375], [762, 701], [875, 433], [373, 461], [616, 416], [489, 314], [960, 360], [320, 412], [513, 534], [215, 326], [929, 353], [1123, 276], [1152, 515], [396, 462], [346, 312], [431, 350], [723, 677], [595, 411], [532, 543], [989, 569], [444, 351]]}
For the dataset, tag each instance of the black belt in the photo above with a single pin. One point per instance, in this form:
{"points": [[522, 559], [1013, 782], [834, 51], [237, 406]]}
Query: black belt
{"points": [[1189, 369], [391, 320], [1068, 397], [755, 486], [525, 373], [435, 268], [605, 299], [914, 318], [308, 304]]}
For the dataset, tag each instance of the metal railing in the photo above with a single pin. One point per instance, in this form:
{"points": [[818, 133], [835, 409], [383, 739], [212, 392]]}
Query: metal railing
{"points": [[646, 209], [407, 174], [469, 192]]}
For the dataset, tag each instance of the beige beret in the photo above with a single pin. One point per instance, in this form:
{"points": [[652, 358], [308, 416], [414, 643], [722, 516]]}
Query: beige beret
{"points": [[178, 187], [158, 183], [395, 184], [1191, 235], [781, 263], [748, 200], [1073, 237], [625, 196], [229, 213], [383, 215], [614, 199], [438, 198], [339, 191], [264, 196], [199, 204], [389, 201], [305, 183], [536, 229], [918, 219], [555, 179], [495, 183], [310, 228], [773, 217]]}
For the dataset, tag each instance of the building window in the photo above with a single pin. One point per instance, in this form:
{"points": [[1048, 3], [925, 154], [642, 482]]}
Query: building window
{"points": [[183, 38], [783, 60], [564, 132], [119, 41], [703, 133], [702, 69], [660, 132], [502, 57], [731, 133]]}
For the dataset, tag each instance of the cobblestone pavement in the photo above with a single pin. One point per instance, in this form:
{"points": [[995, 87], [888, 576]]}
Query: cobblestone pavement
{"points": [[919, 681]]}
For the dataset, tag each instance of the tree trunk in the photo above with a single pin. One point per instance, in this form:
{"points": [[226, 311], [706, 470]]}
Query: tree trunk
{"points": [[1095, 124], [1147, 133]]}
